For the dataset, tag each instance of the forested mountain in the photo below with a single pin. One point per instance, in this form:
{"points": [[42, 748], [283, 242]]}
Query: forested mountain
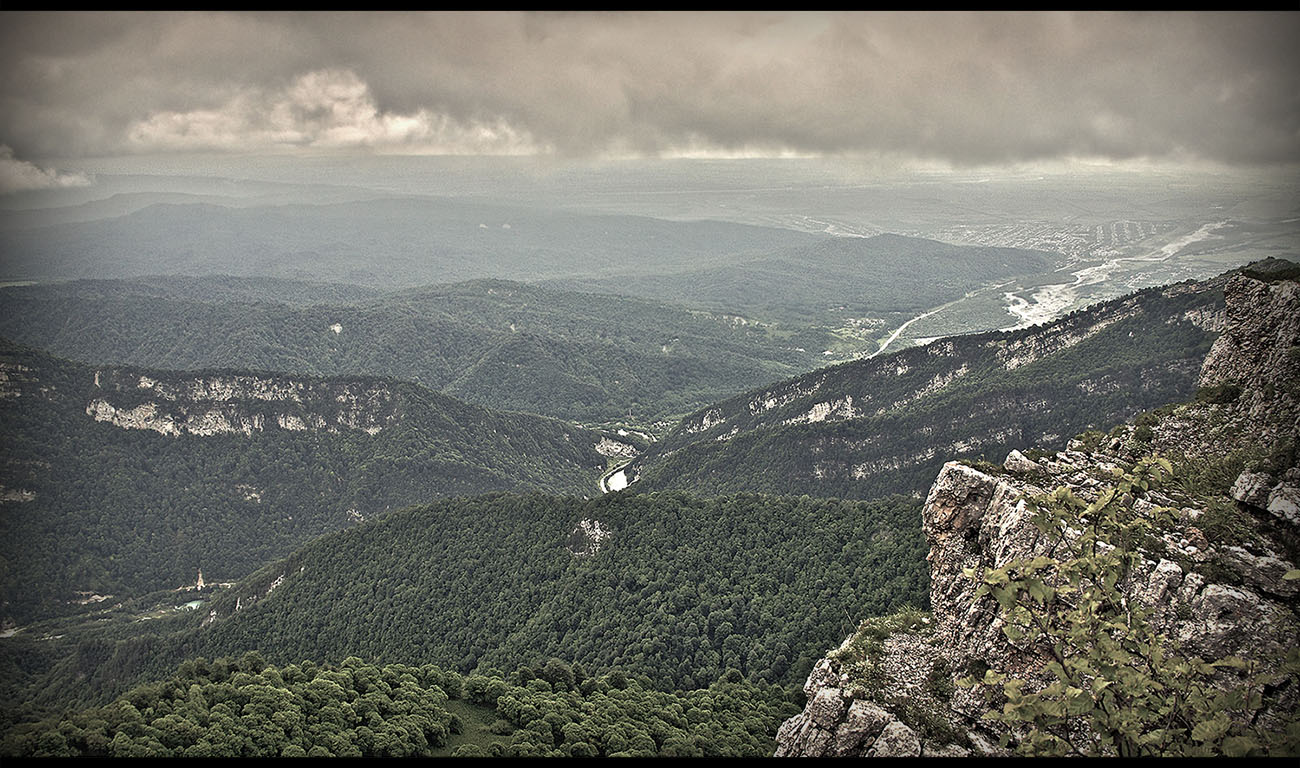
{"points": [[391, 242], [118, 481], [886, 424], [501, 344], [521, 347], [674, 587], [840, 277]]}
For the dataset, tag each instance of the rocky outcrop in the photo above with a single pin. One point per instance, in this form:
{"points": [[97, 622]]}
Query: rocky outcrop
{"points": [[831, 410], [1213, 578], [979, 519], [880, 694], [588, 537], [16, 494], [12, 376], [1259, 352], [1019, 352], [709, 420], [1280, 498], [612, 448], [1250, 397]]}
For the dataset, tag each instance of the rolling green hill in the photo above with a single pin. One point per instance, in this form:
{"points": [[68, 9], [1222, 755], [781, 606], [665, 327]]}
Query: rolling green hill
{"points": [[673, 587]]}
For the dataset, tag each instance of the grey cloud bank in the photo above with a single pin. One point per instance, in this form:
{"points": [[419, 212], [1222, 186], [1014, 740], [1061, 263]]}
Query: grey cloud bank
{"points": [[960, 88], [21, 176]]}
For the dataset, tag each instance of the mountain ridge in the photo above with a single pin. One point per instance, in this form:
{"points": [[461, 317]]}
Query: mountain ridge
{"points": [[463, 339], [848, 430], [210, 459], [380, 242]]}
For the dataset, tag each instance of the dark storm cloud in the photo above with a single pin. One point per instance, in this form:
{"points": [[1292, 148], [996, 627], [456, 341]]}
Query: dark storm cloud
{"points": [[965, 88]]}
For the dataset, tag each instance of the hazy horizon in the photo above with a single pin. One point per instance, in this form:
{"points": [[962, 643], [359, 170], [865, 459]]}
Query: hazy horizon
{"points": [[1139, 148]]}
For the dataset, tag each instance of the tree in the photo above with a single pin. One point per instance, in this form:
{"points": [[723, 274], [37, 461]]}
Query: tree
{"points": [[1116, 686]]}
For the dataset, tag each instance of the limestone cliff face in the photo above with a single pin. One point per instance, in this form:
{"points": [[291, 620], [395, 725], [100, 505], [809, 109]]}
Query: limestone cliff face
{"points": [[240, 404], [1215, 589]]}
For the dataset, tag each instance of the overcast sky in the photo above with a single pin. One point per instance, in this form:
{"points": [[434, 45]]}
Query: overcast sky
{"points": [[958, 88]]}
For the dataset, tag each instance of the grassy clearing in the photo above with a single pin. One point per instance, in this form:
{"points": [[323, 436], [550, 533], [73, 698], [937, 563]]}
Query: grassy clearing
{"points": [[476, 722]]}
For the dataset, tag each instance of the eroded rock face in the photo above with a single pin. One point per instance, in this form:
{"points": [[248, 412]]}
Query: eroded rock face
{"points": [[835, 724], [1212, 597], [1263, 326], [1259, 351], [890, 701], [240, 404]]}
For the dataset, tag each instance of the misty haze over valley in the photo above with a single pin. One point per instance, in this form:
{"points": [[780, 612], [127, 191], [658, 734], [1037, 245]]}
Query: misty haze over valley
{"points": [[620, 384]]}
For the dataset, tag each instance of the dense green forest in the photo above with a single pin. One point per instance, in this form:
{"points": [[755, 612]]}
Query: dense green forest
{"points": [[500, 344], [887, 424], [247, 708], [683, 588], [95, 509], [673, 587]]}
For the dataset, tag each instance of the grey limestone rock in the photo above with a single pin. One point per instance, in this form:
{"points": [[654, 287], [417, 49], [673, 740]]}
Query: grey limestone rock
{"points": [[1284, 503], [1252, 488], [1020, 464], [896, 740], [827, 707], [861, 726]]}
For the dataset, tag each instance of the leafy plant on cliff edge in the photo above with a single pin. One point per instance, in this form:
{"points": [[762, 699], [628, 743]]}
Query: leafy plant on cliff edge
{"points": [[1115, 685]]}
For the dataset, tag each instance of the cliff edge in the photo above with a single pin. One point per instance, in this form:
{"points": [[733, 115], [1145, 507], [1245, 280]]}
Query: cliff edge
{"points": [[1213, 576]]}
